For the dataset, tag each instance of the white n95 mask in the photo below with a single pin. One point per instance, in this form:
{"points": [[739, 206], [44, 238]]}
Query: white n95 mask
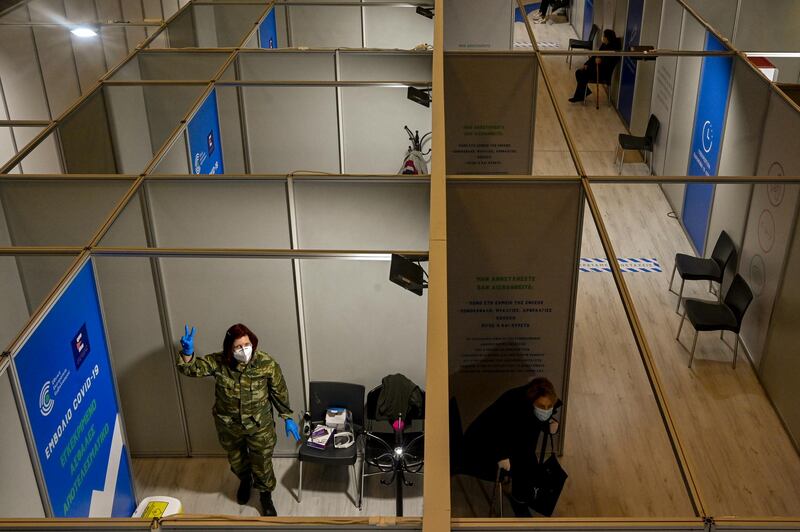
{"points": [[243, 354]]}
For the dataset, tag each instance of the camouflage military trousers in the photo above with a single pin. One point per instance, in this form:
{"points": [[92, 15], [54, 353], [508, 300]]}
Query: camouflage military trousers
{"points": [[250, 451]]}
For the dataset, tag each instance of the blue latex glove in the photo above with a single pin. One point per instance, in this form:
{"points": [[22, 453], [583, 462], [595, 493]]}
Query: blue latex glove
{"points": [[187, 340], [292, 430]]}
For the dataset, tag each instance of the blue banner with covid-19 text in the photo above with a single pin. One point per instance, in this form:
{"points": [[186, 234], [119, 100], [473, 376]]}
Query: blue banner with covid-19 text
{"points": [[68, 389], [709, 123], [709, 116], [204, 138]]}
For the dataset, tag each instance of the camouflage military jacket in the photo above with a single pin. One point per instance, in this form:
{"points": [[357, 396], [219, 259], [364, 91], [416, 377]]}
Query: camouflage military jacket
{"points": [[245, 393]]}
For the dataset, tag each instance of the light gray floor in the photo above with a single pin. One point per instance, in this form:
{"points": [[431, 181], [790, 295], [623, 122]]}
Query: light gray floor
{"points": [[207, 486]]}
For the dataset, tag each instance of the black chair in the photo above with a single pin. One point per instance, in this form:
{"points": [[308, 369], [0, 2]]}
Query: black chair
{"points": [[645, 143], [725, 316], [382, 437], [579, 44], [700, 269], [324, 395]]}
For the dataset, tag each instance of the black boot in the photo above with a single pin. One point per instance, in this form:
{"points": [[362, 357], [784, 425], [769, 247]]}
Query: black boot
{"points": [[267, 508], [243, 493]]}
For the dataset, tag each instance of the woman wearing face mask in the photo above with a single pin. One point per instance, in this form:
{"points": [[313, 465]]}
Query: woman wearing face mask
{"points": [[249, 384], [507, 437]]}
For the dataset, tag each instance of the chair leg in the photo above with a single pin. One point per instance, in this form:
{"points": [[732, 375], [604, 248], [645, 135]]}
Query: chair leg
{"points": [[671, 279], [694, 344], [678, 336], [621, 160], [597, 95], [355, 486], [735, 350], [300, 485], [569, 58], [361, 486], [680, 296]]}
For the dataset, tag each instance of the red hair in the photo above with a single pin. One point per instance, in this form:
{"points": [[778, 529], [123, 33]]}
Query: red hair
{"points": [[234, 333], [541, 387]]}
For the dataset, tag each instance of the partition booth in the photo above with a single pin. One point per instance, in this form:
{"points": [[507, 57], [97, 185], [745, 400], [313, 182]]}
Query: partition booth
{"points": [[206, 163]]}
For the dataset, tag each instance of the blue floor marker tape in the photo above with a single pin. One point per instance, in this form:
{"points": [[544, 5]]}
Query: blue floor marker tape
{"points": [[627, 265]]}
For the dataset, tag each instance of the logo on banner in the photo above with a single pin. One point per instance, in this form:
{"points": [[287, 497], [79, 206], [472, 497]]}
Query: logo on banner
{"points": [[210, 142], [46, 401], [80, 346], [708, 136]]}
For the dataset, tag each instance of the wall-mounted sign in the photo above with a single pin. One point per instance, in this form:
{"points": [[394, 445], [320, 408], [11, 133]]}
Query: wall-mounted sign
{"points": [[709, 124], [205, 146], [489, 107], [68, 389], [511, 272]]}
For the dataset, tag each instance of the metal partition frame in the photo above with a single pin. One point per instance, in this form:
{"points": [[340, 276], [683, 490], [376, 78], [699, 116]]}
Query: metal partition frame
{"points": [[437, 515]]}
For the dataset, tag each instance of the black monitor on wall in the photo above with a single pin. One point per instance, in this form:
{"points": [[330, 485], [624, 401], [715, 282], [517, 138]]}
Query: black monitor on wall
{"points": [[407, 274]]}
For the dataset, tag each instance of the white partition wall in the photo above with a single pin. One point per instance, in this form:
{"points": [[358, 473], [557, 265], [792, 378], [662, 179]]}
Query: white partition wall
{"points": [[320, 26], [391, 27], [372, 128], [721, 14], [780, 17], [479, 24], [342, 26], [354, 316], [645, 70], [684, 101], [744, 128], [669, 36], [14, 311], [142, 360], [779, 362], [54, 213], [17, 483], [133, 146], [292, 128], [321, 127], [771, 222]]}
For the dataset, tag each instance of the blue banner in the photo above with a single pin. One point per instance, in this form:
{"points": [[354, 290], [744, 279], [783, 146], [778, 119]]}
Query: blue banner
{"points": [[268, 31], [709, 116], [68, 390], [528, 8], [627, 82], [588, 18], [709, 122], [205, 145]]}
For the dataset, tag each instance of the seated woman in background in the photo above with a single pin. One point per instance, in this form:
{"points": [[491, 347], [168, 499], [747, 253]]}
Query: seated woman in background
{"points": [[604, 66]]}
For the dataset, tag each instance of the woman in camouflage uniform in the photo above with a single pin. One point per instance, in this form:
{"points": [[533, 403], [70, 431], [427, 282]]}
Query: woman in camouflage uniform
{"points": [[249, 384]]}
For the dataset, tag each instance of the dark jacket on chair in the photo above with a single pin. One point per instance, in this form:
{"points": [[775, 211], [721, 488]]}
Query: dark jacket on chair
{"points": [[398, 396]]}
